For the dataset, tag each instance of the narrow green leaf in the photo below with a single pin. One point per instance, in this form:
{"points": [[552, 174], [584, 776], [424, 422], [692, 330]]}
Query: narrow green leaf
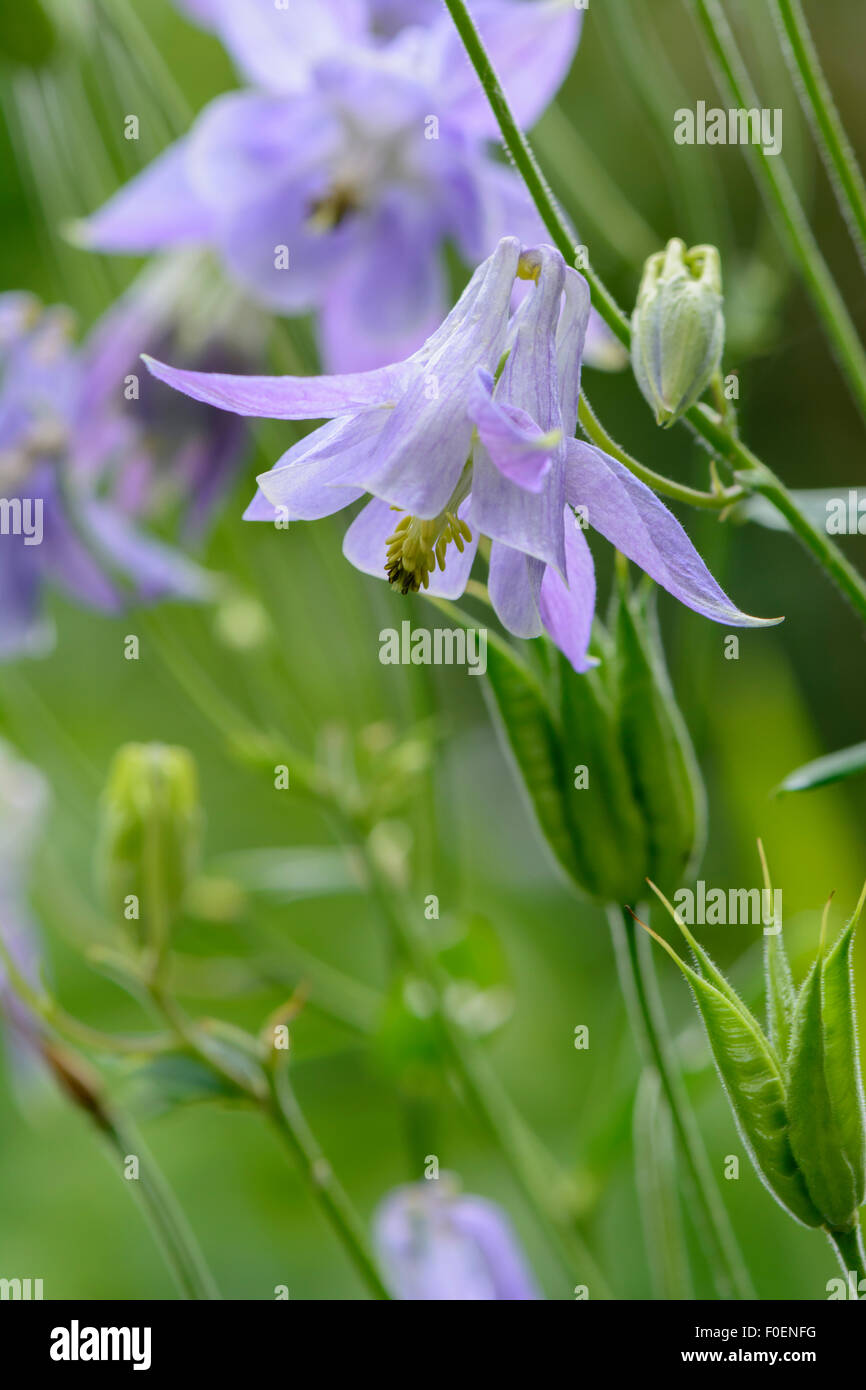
{"points": [[26, 34], [835, 767], [816, 1136]]}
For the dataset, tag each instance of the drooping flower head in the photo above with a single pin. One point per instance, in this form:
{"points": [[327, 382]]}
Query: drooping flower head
{"points": [[436, 1244], [335, 184], [472, 435], [60, 444]]}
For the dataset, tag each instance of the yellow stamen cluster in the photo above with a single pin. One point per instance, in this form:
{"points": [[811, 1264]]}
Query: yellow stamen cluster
{"points": [[331, 211], [417, 546]]}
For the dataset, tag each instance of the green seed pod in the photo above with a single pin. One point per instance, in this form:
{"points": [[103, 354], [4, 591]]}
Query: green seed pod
{"points": [[797, 1096], [825, 1094], [664, 773], [678, 328], [149, 839]]}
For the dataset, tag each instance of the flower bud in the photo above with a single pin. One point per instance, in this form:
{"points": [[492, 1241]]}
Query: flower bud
{"points": [[150, 835], [678, 328]]}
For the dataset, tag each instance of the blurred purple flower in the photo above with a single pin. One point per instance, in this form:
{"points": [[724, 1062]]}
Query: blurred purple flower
{"points": [[336, 189], [472, 435], [23, 803], [437, 1245], [60, 442]]}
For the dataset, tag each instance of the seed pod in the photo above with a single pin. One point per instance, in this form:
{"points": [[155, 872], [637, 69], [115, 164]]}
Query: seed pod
{"points": [[752, 1078], [664, 774], [678, 328], [825, 1094]]}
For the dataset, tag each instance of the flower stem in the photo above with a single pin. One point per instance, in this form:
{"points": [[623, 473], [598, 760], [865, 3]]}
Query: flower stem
{"points": [[850, 1252], [817, 101], [292, 1127], [716, 433], [640, 990], [534, 1169], [781, 196], [277, 1102]]}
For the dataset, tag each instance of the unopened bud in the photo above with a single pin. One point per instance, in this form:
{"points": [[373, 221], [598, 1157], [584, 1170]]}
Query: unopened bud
{"points": [[150, 835], [678, 328]]}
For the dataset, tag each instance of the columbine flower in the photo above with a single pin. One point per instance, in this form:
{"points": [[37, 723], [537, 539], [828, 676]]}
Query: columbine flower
{"points": [[438, 1245], [472, 434], [336, 188], [60, 440]]}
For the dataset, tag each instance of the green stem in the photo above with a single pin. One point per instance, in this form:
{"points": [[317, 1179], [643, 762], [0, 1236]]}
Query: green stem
{"points": [[594, 430], [756, 476], [535, 1171], [278, 1103], [289, 1120], [170, 1227], [817, 102], [850, 1252], [781, 197], [638, 981]]}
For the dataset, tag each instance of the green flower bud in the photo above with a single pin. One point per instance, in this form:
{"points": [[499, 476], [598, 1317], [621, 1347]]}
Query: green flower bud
{"points": [[149, 840], [678, 328]]}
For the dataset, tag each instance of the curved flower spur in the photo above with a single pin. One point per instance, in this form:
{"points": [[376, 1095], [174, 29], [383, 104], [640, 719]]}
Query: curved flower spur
{"points": [[470, 436]]}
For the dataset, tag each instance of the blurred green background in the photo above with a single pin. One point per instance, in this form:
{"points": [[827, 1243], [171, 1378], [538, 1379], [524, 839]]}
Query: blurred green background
{"points": [[796, 691]]}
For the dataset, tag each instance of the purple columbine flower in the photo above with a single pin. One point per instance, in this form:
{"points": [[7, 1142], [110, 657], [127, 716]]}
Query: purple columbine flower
{"points": [[335, 185], [472, 435], [436, 1244], [60, 444]]}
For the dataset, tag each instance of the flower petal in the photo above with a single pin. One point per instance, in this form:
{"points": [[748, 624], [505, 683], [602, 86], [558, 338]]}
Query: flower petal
{"points": [[633, 519], [156, 208], [532, 47], [571, 333], [514, 584], [520, 449], [529, 521], [316, 477], [567, 611], [288, 397], [389, 296], [425, 445]]}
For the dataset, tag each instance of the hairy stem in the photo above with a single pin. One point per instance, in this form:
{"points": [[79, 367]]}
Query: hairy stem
{"points": [[817, 102], [850, 1252], [781, 197]]}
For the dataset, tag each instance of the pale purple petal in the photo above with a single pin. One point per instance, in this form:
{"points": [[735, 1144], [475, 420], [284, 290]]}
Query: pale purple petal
{"points": [[389, 296], [532, 47], [631, 517], [531, 522], [288, 397], [157, 208], [567, 610], [364, 546], [571, 336], [426, 443], [520, 449], [156, 570], [436, 1245], [317, 477], [514, 585], [278, 46]]}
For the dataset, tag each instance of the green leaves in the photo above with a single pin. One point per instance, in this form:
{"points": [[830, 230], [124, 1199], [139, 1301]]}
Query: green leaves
{"points": [[26, 34], [796, 1095], [835, 767]]}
